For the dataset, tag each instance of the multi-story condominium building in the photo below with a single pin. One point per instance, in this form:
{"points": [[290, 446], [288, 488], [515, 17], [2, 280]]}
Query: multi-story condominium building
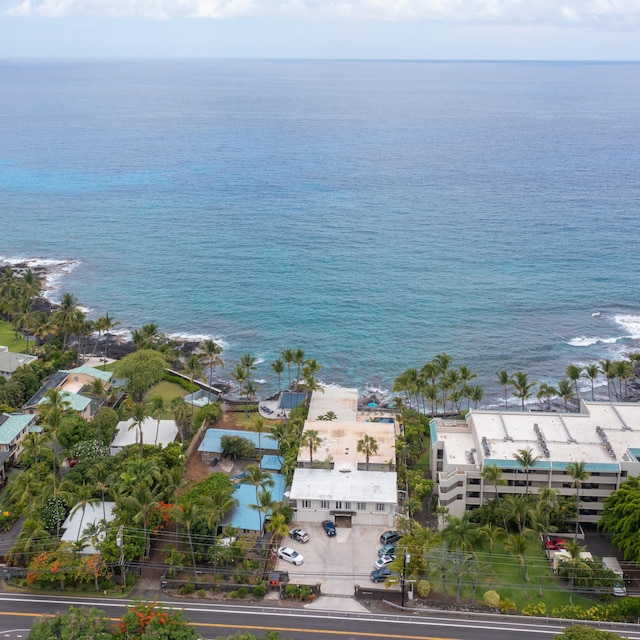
{"points": [[604, 435]]}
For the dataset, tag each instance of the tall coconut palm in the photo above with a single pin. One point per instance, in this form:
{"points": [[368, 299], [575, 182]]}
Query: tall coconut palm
{"points": [[607, 368], [83, 498], [526, 459], [182, 415], [101, 478], [139, 414], [66, 315], [311, 439], [157, 408], [260, 427], [546, 392], [592, 371], [216, 505], [212, 351], [188, 514], [523, 388], [264, 506], [505, 380], [193, 368], [278, 368], [574, 372], [98, 390], [517, 546], [461, 534], [258, 478], [298, 358], [107, 323], [250, 389], [624, 371], [579, 475], [492, 534], [565, 391], [369, 446], [142, 501], [288, 356], [35, 448]]}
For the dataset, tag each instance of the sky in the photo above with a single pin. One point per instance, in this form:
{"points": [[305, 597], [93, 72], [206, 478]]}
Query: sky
{"points": [[322, 29]]}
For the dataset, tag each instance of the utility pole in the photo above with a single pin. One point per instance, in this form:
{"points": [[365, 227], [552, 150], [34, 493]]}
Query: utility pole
{"points": [[120, 543], [406, 560]]}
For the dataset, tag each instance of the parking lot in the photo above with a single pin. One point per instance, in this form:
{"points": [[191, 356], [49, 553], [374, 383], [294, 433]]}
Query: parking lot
{"points": [[336, 563]]}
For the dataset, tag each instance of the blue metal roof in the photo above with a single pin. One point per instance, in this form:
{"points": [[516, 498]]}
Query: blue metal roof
{"points": [[212, 441], [243, 516], [93, 372], [12, 425]]}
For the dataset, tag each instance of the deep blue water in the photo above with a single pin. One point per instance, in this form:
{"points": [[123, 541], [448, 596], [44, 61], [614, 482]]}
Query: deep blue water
{"points": [[372, 213]]}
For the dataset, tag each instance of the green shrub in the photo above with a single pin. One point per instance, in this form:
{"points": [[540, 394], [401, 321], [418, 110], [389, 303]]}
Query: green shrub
{"points": [[507, 605], [188, 589], [202, 593], [259, 591], [539, 609], [491, 599], [423, 587]]}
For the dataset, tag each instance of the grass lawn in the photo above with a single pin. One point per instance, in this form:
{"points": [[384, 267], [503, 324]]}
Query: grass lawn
{"points": [[423, 462], [168, 391], [7, 338], [247, 421], [507, 580]]}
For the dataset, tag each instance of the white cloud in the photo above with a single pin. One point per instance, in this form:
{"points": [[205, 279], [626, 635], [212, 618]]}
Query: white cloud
{"points": [[587, 13]]}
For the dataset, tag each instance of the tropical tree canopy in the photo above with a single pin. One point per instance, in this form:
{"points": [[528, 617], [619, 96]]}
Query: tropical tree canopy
{"points": [[142, 369], [621, 518]]}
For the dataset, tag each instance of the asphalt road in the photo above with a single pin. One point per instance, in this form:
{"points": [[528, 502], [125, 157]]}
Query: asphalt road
{"points": [[18, 612]]}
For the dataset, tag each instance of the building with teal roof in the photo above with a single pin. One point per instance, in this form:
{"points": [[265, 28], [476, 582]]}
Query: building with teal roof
{"points": [[603, 435], [13, 428]]}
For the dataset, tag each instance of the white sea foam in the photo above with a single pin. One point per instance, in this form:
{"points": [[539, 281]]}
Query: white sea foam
{"points": [[584, 341], [630, 323], [182, 336]]}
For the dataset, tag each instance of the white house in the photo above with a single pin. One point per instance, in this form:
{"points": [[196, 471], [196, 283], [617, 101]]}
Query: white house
{"points": [[153, 432], [335, 482], [10, 361], [77, 522]]}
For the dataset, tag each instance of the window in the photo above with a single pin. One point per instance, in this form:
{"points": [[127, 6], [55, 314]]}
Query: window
{"points": [[324, 504], [362, 506], [380, 506], [347, 505], [306, 504], [338, 504]]}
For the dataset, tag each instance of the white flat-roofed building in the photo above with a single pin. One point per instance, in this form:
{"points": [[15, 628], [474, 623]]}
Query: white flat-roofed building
{"points": [[604, 435], [153, 433], [336, 483], [10, 361]]}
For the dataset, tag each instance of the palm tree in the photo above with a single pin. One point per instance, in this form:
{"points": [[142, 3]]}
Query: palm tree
{"points": [[298, 358], [250, 389], [592, 371], [264, 505], [216, 505], [193, 368], [107, 323], [579, 475], [157, 408], [260, 427], [517, 545], [182, 415], [43, 326], [99, 392], [546, 392], [101, 478], [526, 459], [83, 495], [461, 534], [34, 449], [623, 370], [522, 386], [606, 366], [311, 439], [369, 446], [505, 380], [474, 394], [139, 415], [565, 391], [491, 533], [260, 479], [574, 372], [212, 350], [288, 356], [143, 500], [573, 565], [188, 514], [278, 368], [493, 475], [66, 315]]}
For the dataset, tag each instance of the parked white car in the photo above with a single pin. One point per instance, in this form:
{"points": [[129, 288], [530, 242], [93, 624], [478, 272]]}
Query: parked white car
{"points": [[383, 561], [290, 555]]}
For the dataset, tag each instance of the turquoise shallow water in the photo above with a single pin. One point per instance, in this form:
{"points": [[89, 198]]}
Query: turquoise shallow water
{"points": [[372, 213]]}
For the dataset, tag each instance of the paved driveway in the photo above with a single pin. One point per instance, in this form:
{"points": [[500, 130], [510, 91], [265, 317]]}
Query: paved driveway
{"points": [[337, 563]]}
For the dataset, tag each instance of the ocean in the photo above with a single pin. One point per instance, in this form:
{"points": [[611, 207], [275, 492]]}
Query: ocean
{"points": [[373, 214]]}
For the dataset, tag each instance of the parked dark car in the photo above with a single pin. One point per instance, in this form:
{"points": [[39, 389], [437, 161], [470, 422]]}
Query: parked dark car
{"points": [[329, 528], [382, 575], [390, 537]]}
